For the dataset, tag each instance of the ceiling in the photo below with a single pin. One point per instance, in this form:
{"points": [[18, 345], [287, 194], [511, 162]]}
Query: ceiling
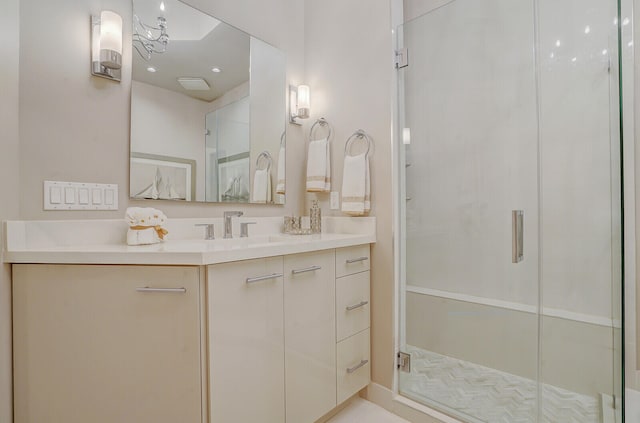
{"points": [[197, 43]]}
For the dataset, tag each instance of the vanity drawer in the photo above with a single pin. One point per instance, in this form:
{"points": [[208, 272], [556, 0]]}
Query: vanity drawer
{"points": [[354, 367], [352, 304], [352, 260]]}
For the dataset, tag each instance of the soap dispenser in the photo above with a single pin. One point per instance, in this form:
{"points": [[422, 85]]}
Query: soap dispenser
{"points": [[315, 217]]}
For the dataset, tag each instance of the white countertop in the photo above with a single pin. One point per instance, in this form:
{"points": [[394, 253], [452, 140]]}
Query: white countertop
{"points": [[88, 242]]}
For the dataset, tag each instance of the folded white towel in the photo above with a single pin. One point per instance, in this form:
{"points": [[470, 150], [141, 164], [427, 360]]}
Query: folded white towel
{"points": [[262, 186], [319, 166], [143, 236], [145, 225], [145, 216], [356, 185], [280, 186]]}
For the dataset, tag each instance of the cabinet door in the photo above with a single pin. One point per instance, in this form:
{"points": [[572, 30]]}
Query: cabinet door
{"points": [[310, 335], [246, 341], [90, 347]]}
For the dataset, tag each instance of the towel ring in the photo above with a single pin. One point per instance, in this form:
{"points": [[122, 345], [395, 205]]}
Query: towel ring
{"points": [[282, 138], [322, 122], [359, 134], [264, 155]]}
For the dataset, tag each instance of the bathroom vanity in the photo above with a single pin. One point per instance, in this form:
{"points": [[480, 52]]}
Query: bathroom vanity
{"points": [[271, 328]]}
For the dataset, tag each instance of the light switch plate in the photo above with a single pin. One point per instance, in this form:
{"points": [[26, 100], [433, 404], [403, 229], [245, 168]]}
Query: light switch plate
{"points": [[335, 200], [80, 196]]}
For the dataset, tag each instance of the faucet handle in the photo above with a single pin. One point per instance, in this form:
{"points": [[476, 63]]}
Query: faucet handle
{"points": [[244, 229], [209, 232]]}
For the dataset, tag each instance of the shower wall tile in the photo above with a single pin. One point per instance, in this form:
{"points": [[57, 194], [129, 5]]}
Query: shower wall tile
{"points": [[575, 356], [502, 339], [470, 99], [580, 167], [472, 105]]}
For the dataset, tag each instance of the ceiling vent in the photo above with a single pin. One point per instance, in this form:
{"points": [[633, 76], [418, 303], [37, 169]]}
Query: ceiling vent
{"points": [[194, 84]]}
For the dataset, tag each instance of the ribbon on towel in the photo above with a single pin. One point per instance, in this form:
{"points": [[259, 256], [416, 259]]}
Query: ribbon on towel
{"points": [[159, 230]]}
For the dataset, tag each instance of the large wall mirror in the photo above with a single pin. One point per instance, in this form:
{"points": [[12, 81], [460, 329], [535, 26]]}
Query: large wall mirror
{"points": [[208, 109]]}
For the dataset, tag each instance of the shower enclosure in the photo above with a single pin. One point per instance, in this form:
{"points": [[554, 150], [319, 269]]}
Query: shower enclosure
{"points": [[511, 210]]}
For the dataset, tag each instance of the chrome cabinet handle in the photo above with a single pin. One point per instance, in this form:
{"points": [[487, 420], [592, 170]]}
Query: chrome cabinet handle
{"points": [[355, 306], [517, 236], [162, 290], [356, 260], [357, 366], [308, 269], [264, 278]]}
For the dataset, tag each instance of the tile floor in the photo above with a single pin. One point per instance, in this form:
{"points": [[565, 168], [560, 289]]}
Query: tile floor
{"points": [[361, 411]]}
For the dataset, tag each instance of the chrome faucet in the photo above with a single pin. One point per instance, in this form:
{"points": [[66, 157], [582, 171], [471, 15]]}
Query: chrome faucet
{"points": [[209, 232], [228, 227]]}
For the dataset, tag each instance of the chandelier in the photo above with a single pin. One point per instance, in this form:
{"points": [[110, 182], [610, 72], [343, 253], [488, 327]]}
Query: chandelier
{"points": [[149, 39]]}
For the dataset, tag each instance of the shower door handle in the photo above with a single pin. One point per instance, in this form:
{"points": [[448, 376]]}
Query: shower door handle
{"points": [[517, 236]]}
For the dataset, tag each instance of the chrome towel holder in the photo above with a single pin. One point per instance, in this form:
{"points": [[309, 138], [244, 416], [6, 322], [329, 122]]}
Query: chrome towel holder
{"points": [[264, 155], [359, 134], [323, 123]]}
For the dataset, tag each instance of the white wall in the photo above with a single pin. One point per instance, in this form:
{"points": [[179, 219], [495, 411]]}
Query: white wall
{"points": [[349, 70], [167, 123], [9, 189], [268, 107], [75, 127]]}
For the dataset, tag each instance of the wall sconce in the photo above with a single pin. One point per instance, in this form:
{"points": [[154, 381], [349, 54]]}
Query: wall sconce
{"points": [[299, 104], [106, 45]]}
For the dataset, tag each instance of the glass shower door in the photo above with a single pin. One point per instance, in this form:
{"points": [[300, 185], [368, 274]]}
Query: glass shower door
{"points": [[471, 304], [511, 211]]}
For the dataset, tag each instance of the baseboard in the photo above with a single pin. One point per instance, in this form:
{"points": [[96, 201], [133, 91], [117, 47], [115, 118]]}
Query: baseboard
{"points": [[404, 407], [338, 409]]}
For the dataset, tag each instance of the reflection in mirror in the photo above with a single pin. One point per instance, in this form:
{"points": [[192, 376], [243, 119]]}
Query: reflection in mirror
{"points": [[208, 105]]}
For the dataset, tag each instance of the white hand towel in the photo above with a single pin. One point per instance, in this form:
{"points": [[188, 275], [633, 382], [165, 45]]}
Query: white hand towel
{"points": [[280, 187], [319, 166], [356, 185], [145, 225], [145, 216], [262, 186]]}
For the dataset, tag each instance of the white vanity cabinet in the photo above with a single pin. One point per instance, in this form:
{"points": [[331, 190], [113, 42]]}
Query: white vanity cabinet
{"points": [[246, 341], [310, 330], [271, 340], [106, 344]]}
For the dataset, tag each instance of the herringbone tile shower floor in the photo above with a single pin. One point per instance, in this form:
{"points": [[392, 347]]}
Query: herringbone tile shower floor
{"points": [[483, 394]]}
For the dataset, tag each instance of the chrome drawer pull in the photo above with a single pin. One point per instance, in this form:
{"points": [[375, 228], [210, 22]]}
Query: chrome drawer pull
{"points": [[356, 260], [361, 304], [165, 290], [264, 278], [357, 366], [308, 269]]}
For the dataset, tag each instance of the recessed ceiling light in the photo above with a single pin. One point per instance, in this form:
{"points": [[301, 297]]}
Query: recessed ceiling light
{"points": [[151, 69], [216, 70]]}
